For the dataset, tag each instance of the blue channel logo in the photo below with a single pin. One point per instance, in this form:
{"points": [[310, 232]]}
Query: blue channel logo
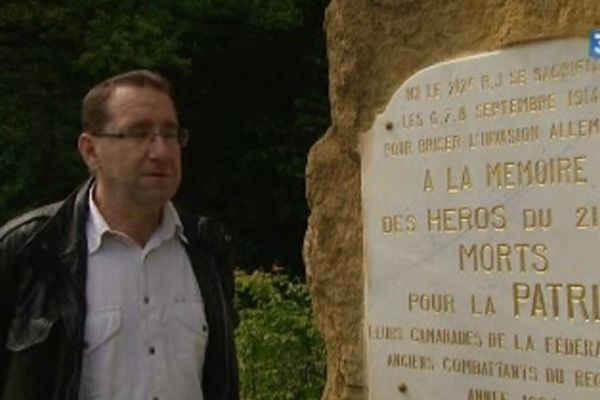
{"points": [[595, 43]]}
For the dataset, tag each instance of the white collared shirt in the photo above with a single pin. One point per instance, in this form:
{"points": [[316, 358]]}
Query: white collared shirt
{"points": [[145, 329]]}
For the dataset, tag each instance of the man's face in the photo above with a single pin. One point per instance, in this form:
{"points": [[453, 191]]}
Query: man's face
{"points": [[141, 173]]}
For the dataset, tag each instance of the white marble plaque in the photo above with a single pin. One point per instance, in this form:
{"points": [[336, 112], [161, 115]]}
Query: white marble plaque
{"points": [[481, 207]]}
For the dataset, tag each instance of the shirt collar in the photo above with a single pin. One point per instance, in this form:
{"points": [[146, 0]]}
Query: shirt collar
{"points": [[170, 224], [98, 228]]}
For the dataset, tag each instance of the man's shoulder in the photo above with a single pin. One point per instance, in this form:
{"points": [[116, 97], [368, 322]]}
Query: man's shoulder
{"points": [[30, 219], [212, 230], [208, 233]]}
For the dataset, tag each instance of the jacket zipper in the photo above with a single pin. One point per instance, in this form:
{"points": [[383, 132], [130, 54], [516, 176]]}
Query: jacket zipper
{"points": [[225, 338], [72, 387]]}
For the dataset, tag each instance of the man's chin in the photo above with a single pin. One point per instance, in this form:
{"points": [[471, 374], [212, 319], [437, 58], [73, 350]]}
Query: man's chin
{"points": [[157, 195], [158, 180]]}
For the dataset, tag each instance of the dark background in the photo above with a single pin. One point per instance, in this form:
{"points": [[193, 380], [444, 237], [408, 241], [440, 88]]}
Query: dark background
{"points": [[250, 77]]}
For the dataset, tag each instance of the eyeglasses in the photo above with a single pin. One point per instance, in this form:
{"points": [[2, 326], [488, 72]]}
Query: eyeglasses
{"points": [[172, 137]]}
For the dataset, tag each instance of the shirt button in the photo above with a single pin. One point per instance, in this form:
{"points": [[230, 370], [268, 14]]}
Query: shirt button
{"points": [[146, 301], [151, 350]]}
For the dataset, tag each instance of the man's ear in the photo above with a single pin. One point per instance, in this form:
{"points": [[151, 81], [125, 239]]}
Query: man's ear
{"points": [[88, 150]]}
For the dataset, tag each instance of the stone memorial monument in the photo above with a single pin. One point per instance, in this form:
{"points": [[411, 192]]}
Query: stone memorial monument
{"points": [[451, 245], [481, 229]]}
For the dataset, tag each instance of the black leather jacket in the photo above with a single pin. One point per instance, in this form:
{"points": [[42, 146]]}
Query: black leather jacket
{"points": [[43, 257]]}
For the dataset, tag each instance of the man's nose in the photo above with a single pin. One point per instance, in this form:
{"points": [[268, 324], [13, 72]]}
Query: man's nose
{"points": [[159, 146]]}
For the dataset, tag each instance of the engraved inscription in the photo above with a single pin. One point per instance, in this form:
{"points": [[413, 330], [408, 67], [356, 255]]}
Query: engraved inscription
{"points": [[481, 218]]}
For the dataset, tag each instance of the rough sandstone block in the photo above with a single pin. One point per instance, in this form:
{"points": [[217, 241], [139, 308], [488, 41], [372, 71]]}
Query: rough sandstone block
{"points": [[374, 46]]}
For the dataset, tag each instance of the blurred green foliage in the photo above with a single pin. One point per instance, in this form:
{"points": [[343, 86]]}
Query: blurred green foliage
{"points": [[250, 77], [281, 353]]}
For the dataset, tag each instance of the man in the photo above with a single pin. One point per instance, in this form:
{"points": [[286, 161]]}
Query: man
{"points": [[113, 293]]}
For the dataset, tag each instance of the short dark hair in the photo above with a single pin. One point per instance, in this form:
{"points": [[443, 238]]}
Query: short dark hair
{"points": [[93, 107]]}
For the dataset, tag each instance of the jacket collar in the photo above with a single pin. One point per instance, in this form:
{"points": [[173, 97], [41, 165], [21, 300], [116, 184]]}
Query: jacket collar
{"points": [[64, 232]]}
